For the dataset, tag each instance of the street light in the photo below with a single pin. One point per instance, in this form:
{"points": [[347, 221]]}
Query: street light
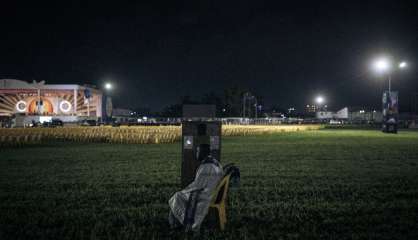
{"points": [[383, 65], [108, 86], [319, 99], [403, 65]]}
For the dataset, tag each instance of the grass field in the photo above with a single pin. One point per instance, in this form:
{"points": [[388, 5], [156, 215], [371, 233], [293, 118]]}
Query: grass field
{"points": [[328, 184]]}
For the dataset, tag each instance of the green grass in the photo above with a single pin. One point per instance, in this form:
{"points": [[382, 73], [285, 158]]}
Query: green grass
{"points": [[329, 184]]}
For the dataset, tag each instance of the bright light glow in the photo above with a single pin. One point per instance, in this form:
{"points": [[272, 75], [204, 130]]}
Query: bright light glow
{"points": [[382, 65], [65, 106], [319, 99], [21, 106], [403, 65], [43, 119], [108, 86]]}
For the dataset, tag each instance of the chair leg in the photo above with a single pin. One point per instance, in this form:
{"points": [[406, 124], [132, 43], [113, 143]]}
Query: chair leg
{"points": [[222, 217]]}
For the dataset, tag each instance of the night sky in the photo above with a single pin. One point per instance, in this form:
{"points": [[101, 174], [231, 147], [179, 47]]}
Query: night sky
{"points": [[154, 52]]}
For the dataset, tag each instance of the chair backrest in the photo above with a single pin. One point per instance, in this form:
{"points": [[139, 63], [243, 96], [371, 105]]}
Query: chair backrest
{"points": [[221, 190]]}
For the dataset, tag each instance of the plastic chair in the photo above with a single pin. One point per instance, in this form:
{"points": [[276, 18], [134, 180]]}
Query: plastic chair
{"points": [[219, 200]]}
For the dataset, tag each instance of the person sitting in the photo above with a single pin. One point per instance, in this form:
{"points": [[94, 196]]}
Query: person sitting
{"points": [[189, 206]]}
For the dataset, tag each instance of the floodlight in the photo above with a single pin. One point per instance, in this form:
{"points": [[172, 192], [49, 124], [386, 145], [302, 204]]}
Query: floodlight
{"points": [[382, 65], [108, 86], [319, 99]]}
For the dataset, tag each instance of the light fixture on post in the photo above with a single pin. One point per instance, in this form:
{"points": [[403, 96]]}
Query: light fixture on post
{"points": [[384, 66]]}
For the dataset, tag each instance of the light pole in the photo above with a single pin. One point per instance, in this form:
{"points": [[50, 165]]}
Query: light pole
{"points": [[384, 65], [107, 101]]}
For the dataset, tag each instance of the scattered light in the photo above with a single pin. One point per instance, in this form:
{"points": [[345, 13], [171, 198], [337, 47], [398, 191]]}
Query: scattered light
{"points": [[43, 119]]}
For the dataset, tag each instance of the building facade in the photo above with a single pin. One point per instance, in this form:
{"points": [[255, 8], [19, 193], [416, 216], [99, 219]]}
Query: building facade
{"points": [[68, 102]]}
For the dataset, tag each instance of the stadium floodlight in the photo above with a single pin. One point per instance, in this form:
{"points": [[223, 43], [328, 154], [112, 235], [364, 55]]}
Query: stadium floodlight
{"points": [[319, 99], [382, 65], [403, 64], [108, 86]]}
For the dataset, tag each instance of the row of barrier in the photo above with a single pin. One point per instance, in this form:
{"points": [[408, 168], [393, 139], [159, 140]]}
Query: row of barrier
{"points": [[133, 135]]}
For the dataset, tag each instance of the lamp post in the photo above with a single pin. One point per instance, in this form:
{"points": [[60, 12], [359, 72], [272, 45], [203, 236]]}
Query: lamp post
{"points": [[384, 66], [107, 101]]}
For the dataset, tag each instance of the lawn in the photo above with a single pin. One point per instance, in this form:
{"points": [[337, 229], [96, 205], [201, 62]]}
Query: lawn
{"points": [[339, 184]]}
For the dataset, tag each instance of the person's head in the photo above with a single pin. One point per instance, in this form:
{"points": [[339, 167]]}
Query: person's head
{"points": [[203, 150]]}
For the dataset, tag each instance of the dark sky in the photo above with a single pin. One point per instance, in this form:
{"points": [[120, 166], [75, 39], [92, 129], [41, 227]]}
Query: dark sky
{"points": [[156, 51]]}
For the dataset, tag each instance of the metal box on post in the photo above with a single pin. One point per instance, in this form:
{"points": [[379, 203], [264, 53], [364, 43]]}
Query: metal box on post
{"points": [[199, 126]]}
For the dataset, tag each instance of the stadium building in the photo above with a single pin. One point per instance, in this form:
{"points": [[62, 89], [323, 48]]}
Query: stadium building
{"points": [[41, 102]]}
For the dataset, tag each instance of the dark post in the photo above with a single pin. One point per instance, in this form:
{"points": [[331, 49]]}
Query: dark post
{"points": [[199, 126]]}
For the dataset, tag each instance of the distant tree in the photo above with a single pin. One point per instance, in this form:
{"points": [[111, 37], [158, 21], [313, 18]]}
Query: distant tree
{"points": [[172, 111], [176, 110], [142, 111], [188, 100], [233, 101], [228, 104], [217, 100]]}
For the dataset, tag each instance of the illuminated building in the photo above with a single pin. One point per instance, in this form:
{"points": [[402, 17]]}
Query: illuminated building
{"points": [[68, 102], [311, 108]]}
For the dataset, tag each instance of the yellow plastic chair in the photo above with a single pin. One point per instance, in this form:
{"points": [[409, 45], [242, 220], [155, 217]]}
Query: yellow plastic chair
{"points": [[219, 200]]}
